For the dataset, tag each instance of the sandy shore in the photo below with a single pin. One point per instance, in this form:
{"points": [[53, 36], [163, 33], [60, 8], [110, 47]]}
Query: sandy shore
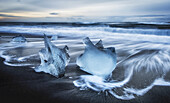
{"points": [[23, 85]]}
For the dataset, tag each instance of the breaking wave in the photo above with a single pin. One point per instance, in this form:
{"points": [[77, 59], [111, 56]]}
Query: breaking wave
{"points": [[86, 29]]}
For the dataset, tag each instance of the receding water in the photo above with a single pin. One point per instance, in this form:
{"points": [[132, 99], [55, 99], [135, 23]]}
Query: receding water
{"points": [[143, 55]]}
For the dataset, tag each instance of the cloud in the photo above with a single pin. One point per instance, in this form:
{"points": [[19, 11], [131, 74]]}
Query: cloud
{"points": [[4, 15], [83, 10], [21, 8], [54, 13]]}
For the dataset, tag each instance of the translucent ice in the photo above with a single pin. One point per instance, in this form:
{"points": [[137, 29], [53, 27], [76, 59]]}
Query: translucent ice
{"points": [[53, 59], [54, 37], [134, 76], [97, 60], [19, 39]]}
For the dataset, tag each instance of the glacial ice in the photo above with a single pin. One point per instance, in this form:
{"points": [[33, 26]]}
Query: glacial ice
{"points": [[54, 37], [97, 60], [134, 76], [53, 59], [19, 39]]}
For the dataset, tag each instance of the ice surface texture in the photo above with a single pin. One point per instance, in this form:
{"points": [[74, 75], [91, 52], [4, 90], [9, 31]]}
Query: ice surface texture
{"points": [[53, 59], [19, 39], [96, 59], [54, 37], [134, 76]]}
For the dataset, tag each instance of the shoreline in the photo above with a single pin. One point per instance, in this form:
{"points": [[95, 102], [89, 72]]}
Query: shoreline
{"points": [[22, 84], [24, 34]]}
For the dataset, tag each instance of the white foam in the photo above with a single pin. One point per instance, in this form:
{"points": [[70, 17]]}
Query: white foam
{"points": [[82, 31], [161, 82], [16, 64], [123, 97], [6, 57], [26, 57], [148, 62], [139, 92], [128, 41]]}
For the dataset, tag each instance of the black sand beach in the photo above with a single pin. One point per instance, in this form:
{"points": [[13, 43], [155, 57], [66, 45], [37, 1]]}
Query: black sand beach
{"points": [[84, 51], [23, 85]]}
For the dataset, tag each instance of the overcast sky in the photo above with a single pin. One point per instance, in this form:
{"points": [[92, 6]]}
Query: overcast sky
{"points": [[80, 10]]}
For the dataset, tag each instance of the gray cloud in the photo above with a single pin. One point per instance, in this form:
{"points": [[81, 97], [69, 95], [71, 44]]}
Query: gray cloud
{"points": [[54, 13], [41, 5], [161, 7], [21, 8], [106, 10], [4, 15]]}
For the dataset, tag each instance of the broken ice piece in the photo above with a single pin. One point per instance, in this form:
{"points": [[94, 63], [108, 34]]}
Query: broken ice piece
{"points": [[19, 39], [97, 60], [53, 59]]}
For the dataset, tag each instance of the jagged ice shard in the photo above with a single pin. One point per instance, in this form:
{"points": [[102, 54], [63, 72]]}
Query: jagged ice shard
{"points": [[53, 59], [97, 60]]}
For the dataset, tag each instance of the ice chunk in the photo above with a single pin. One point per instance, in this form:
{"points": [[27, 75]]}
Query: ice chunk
{"points": [[54, 37], [53, 59], [99, 45], [19, 39], [134, 76], [96, 59]]}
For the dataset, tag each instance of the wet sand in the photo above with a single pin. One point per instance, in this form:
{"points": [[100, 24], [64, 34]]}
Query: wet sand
{"points": [[23, 85]]}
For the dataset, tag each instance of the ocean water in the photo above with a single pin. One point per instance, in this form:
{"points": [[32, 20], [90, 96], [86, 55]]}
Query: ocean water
{"points": [[143, 52]]}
